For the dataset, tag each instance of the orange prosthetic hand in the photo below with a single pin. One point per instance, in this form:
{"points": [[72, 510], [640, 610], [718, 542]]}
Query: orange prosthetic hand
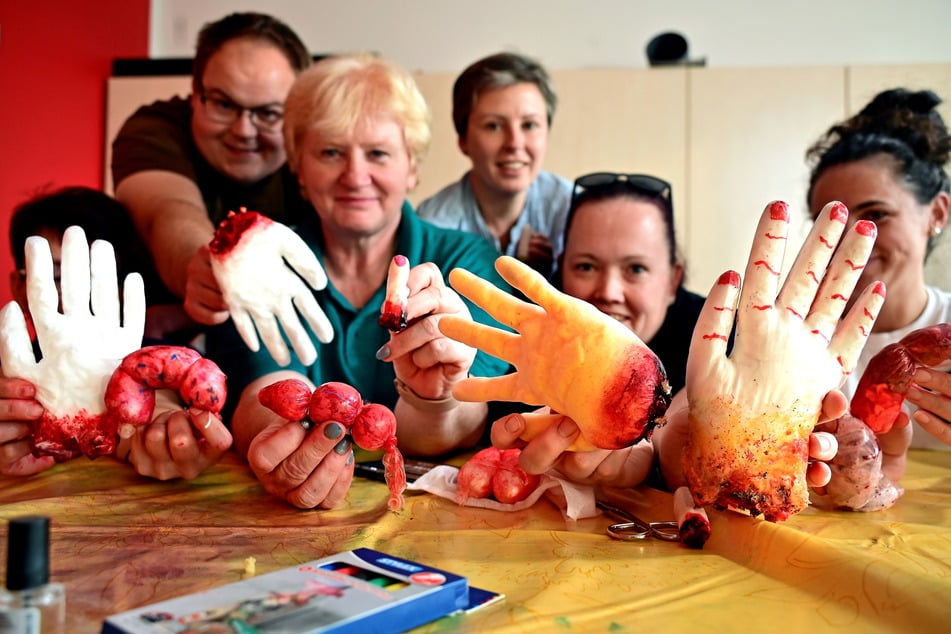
{"points": [[750, 414], [569, 356]]}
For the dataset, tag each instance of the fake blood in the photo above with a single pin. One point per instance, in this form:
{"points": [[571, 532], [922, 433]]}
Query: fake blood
{"points": [[230, 230]]}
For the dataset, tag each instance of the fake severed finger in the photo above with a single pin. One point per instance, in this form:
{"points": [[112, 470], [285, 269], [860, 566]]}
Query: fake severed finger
{"points": [[393, 310]]}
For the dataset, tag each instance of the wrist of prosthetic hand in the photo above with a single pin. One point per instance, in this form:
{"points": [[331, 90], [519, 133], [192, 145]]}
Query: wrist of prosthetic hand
{"points": [[423, 404]]}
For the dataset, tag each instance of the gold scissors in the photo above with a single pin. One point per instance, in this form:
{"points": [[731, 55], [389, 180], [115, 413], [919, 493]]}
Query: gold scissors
{"points": [[634, 528]]}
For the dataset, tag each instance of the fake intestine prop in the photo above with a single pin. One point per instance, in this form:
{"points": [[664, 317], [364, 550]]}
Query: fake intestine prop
{"points": [[857, 480], [890, 373], [495, 473], [93, 380], [263, 269], [371, 425]]}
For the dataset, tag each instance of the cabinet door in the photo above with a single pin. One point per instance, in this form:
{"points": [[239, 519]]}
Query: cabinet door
{"points": [[124, 95], [864, 82], [748, 132], [622, 120]]}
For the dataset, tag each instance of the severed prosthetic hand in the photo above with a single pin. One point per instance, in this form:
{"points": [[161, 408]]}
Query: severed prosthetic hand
{"points": [[81, 346], [569, 356], [261, 267], [750, 414]]}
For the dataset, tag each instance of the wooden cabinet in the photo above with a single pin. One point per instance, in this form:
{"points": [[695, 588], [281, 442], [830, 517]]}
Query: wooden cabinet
{"points": [[622, 120], [124, 95], [444, 163], [728, 139], [748, 131]]}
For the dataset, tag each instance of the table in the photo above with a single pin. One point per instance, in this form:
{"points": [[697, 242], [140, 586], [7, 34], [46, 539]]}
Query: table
{"points": [[121, 541]]}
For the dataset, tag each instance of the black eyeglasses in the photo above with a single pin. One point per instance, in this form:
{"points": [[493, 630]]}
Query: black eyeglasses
{"points": [[220, 108], [640, 183]]}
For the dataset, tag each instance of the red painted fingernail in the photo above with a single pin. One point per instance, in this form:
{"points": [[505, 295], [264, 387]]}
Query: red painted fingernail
{"points": [[778, 210], [400, 260], [730, 277], [879, 288], [839, 212], [866, 228]]}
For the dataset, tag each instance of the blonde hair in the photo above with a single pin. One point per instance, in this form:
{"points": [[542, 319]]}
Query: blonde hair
{"points": [[338, 93]]}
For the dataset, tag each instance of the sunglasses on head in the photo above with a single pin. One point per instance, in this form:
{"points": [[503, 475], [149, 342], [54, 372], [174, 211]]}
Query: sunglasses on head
{"points": [[640, 183], [586, 187]]}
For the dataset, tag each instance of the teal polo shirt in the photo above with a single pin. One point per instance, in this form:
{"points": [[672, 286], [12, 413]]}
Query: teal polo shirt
{"points": [[351, 356]]}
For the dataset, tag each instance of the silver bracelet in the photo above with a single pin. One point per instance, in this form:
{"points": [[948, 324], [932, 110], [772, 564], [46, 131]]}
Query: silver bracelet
{"points": [[423, 404]]}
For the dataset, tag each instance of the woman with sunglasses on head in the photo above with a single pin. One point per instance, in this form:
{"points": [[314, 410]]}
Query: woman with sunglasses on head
{"points": [[502, 109], [887, 165], [621, 255]]}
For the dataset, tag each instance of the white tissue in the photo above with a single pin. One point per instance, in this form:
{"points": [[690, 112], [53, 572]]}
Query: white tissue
{"points": [[576, 501]]}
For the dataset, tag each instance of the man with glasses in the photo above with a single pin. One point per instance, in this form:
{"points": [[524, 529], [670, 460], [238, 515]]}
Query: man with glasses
{"points": [[181, 165]]}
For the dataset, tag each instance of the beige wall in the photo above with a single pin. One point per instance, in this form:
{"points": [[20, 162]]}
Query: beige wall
{"points": [[434, 36]]}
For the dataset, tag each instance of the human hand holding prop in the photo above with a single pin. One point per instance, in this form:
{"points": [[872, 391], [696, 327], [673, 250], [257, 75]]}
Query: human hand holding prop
{"points": [[750, 414], [81, 346], [569, 356], [259, 265]]}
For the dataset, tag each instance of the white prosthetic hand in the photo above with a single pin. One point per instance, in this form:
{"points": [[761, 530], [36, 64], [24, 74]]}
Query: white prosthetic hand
{"points": [[82, 344], [262, 266], [751, 413]]}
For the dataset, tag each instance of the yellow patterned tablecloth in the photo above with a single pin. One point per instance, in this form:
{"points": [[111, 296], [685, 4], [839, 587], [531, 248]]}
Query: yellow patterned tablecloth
{"points": [[121, 541]]}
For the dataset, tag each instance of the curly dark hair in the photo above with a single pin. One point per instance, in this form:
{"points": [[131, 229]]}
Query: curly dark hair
{"points": [[901, 124]]}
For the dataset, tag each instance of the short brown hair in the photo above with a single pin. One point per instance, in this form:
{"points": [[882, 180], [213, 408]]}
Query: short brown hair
{"points": [[498, 71]]}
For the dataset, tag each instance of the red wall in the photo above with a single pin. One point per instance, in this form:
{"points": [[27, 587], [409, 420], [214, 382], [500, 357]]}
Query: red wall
{"points": [[55, 58]]}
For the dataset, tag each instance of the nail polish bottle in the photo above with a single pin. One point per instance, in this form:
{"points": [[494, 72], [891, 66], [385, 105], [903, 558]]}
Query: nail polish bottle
{"points": [[31, 604]]}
